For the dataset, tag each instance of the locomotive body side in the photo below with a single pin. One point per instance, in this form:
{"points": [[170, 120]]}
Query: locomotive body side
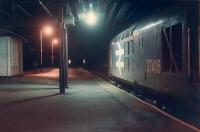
{"points": [[155, 54]]}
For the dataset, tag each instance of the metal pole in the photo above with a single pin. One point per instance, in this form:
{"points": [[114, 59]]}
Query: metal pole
{"points": [[62, 60], [41, 51], [189, 62], [52, 54], [66, 53]]}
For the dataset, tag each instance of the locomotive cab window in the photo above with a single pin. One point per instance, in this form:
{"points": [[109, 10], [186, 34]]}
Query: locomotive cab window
{"points": [[172, 49]]}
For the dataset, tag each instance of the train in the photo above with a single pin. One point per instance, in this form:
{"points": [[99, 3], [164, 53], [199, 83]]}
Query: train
{"points": [[161, 52]]}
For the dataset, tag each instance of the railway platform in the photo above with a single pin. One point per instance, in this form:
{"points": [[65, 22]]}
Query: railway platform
{"points": [[32, 104]]}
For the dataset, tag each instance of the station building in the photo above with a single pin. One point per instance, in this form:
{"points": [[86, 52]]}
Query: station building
{"points": [[11, 55]]}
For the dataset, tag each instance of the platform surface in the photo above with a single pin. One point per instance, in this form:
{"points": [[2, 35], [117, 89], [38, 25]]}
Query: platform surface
{"points": [[32, 104]]}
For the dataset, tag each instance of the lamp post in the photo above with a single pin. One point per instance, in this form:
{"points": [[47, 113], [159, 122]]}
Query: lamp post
{"points": [[41, 50], [54, 41], [90, 18], [48, 31]]}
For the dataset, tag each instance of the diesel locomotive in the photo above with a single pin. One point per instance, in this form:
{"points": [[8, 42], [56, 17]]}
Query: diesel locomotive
{"points": [[161, 52]]}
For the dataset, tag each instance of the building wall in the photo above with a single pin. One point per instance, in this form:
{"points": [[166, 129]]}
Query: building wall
{"points": [[15, 57], [4, 56], [11, 61]]}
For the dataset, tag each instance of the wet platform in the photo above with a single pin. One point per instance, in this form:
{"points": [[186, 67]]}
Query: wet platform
{"points": [[32, 104]]}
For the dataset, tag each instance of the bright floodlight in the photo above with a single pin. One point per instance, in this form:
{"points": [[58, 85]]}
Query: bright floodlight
{"points": [[91, 18]]}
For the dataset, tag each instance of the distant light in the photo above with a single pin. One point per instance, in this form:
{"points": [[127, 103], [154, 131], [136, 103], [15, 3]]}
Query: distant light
{"points": [[91, 18], [69, 61], [55, 41], [84, 61], [91, 5]]}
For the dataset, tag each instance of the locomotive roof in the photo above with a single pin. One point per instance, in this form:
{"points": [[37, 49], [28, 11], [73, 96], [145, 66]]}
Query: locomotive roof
{"points": [[156, 18]]}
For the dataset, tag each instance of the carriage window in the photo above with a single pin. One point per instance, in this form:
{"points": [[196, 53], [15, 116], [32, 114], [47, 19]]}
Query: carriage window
{"points": [[172, 48]]}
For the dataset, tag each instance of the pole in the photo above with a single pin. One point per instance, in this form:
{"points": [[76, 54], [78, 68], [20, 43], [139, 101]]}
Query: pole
{"points": [[41, 50], [66, 53], [62, 58], [52, 54], [189, 61]]}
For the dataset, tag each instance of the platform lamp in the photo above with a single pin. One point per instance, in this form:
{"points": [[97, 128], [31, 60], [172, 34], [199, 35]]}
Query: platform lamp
{"points": [[90, 18], [47, 30]]}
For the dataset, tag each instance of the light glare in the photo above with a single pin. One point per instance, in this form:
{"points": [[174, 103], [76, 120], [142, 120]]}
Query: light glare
{"points": [[91, 18], [84, 61], [55, 41], [69, 61], [48, 30]]}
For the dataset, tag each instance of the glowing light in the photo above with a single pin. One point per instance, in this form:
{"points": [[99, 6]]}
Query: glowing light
{"points": [[55, 41], [48, 30], [91, 5], [90, 18], [69, 61], [84, 61], [152, 25]]}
